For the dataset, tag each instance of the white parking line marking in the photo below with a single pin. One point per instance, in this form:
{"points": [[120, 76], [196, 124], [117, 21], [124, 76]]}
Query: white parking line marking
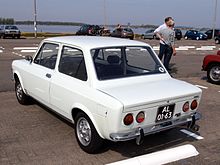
{"points": [[185, 48], [200, 86], [182, 48], [192, 134], [161, 157], [206, 48], [189, 47], [17, 54], [156, 48], [28, 51], [1, 51], [25, 48]]}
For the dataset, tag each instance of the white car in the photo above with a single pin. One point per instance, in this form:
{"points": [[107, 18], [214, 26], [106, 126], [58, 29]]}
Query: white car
{"points": [[114, 89]]}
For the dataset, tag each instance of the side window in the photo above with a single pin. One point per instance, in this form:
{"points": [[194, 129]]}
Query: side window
{"points": [[47, 56], [72, 63]]}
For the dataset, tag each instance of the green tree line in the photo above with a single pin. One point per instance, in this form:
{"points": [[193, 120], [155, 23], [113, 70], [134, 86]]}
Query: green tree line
{"points": [[7, 21], [48, 23]]}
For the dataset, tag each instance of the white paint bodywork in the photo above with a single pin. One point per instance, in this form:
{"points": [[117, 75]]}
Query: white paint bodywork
{"points": [[105, 102]]}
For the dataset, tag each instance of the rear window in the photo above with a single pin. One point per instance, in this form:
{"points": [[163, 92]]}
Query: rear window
{"points": [[121, 62], [128, 30]]}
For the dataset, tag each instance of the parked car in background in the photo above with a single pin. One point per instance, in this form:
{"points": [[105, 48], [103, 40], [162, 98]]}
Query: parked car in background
{"points": [[149, 34], [210, 32], [195, 35], [105, 32], [110, 88], [178, 34], [217, 39], [89, 30], [123, 33], [211, 64], [9, 31]]}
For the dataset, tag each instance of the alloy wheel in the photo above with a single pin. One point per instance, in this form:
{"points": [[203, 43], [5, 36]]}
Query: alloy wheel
{"points": [[83, 131]]}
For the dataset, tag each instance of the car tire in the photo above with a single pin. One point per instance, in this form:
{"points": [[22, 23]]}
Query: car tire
{"points": [[20, 95], [18, 36], [4, 36], [213, 73], [86, 134]]}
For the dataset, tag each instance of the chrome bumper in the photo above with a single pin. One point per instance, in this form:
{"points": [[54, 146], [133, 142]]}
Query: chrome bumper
{"points": [[138, 133]]}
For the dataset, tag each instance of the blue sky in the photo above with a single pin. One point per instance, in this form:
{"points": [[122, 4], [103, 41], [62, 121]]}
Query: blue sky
{"points": [[196, 13]]}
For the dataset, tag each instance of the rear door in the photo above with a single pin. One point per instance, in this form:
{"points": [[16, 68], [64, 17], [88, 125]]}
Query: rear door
{"points": [[69, 84]]}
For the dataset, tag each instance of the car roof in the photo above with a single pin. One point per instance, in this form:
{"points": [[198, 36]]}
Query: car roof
{"points": [[91, 42]]}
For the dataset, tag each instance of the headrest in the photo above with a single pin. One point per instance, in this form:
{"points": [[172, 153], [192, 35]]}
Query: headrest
{"points": [[113, 59]]}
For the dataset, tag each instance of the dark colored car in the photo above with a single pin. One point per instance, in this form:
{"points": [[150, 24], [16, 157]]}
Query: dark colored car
{"points": [[9, 31], [195, 35], [178, 34], [149, 34], [123, 33], [210, 32], [211, 64], [89, 30], [217, 39]]}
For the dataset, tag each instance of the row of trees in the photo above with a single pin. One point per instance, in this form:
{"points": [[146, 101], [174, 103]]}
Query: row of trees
{"points": [[48, 23], [7, 21]]}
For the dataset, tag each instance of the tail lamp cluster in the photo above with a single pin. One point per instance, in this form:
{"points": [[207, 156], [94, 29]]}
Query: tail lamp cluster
{"points": [[129, 118], [140, 117], [187, 106]]}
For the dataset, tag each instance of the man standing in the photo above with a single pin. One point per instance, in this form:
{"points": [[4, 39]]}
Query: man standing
{"points": [[166, 34]]}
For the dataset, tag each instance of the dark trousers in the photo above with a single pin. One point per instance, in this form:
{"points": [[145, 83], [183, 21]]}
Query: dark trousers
{"points": [[166, 51]]}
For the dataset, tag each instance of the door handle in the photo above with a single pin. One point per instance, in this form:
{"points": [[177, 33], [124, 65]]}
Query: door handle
{"points": [[48, 75]]}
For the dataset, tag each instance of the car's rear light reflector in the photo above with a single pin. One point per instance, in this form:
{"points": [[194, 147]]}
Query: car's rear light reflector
{"points": [[186, 107], [194, 104], [128, 119], [140, 117]]}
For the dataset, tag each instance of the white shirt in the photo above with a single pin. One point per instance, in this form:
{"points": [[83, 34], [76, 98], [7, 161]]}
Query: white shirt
{"points": [[161, 27]]}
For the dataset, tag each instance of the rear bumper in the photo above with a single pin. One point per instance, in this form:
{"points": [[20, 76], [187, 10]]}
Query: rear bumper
{"points": [[189, 121]]}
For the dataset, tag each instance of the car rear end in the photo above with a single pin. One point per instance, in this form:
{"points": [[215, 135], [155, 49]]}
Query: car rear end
{"points": [[128, 33], [148, 119], [146, 112], [178, 34]]}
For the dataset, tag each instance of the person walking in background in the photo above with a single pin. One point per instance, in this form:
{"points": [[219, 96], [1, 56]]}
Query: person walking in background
{"points": [[166, 34]]}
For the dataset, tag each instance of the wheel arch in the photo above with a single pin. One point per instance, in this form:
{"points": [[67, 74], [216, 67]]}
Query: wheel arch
{"points": [[210, 64], [17, 77], [80, 108]]}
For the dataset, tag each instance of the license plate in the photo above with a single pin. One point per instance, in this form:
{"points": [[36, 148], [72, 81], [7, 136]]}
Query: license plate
{"points": [[165, 113]]}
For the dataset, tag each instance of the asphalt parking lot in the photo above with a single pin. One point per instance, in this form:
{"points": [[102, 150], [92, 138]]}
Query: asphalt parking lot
{"points": [[34, 135]]}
